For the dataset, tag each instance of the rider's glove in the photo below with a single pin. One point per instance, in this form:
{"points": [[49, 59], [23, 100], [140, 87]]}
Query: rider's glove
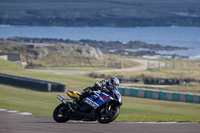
{"points": [[97, 86], [105, 89], [87, 90]]}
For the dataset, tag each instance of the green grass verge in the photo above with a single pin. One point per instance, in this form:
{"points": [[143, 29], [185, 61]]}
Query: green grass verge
{"points": [[75, 68], [148, 110], [133, 109]]}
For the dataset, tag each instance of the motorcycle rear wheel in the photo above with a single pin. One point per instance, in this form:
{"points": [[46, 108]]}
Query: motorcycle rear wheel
{"points": [[61, 113], [110, 118]]}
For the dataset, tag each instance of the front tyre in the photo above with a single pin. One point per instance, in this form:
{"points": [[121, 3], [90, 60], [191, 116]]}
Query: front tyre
{"points": [[108, 116], [61, 113]]}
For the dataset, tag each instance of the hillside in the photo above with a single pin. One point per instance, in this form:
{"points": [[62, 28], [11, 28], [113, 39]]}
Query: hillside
{"points": [[131, 48], [7, 65], [52, 54], [111, 13], [45, 55]]}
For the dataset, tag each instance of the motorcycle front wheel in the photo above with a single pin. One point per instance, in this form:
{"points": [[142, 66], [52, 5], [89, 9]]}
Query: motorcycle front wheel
{"points": [[107, 116], [61, 113]]}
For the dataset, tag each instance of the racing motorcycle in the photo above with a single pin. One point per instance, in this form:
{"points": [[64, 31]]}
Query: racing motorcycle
{"points": [[103, 107]]}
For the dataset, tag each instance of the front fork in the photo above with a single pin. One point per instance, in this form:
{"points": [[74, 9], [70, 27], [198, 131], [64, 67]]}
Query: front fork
{"points": [[106, 111]]}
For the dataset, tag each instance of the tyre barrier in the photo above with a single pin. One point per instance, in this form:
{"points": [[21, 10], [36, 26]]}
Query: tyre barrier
{"points": [[157, 81], [126, 80], [160, 81], [159, 95], [31, 83]]}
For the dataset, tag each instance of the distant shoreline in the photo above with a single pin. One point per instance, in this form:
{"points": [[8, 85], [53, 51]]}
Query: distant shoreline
{"points": [[13, 25], [106, 13], [165, 36], [116, 22], [131, 48]]}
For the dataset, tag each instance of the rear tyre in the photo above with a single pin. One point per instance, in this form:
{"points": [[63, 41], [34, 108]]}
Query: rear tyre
{"points": [[61, 113], [104, 119]]}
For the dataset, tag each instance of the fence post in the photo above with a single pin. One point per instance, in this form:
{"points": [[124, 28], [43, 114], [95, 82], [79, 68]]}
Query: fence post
{"points": [[121, 64], [82, 64], [113, 63], [174, 64]]}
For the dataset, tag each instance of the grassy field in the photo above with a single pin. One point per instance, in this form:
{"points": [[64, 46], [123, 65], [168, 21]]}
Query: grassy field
{"points": [[177, 69], [138, 109], [133, 109], [77, 82]]}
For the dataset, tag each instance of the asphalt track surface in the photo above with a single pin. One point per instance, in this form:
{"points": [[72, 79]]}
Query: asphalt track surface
{"points": [[15, 123]]}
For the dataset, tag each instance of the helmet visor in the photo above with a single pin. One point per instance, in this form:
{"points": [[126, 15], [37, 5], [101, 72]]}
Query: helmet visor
{"points": [[115, 85]]}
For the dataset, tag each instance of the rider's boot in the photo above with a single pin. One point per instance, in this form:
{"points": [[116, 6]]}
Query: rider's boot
{"points": [[81, 97], [78, 100], [76, 103]]}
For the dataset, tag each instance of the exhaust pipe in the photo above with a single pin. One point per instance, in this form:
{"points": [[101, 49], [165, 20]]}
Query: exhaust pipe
{"points": [[63, 100]]}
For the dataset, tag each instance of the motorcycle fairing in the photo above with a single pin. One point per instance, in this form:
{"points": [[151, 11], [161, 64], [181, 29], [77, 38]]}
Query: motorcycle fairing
{"points": [[115, 95], [91, 102], [94, 102], [73, 94], [98, 99]]}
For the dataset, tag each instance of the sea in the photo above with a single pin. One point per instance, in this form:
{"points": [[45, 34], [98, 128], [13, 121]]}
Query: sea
{"points": [[167, 36]]}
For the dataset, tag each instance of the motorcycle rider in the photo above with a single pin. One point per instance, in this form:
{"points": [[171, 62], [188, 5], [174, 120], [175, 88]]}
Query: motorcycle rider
{"points": [[103, 86]]}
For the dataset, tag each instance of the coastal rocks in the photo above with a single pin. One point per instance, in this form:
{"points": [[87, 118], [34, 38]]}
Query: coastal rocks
{"points": [[39, 51], [131, 48], [86, 51], [91, 52]]}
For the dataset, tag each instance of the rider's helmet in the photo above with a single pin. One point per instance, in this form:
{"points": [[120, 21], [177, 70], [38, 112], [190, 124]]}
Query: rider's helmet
{"points": [[113, 82]]}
